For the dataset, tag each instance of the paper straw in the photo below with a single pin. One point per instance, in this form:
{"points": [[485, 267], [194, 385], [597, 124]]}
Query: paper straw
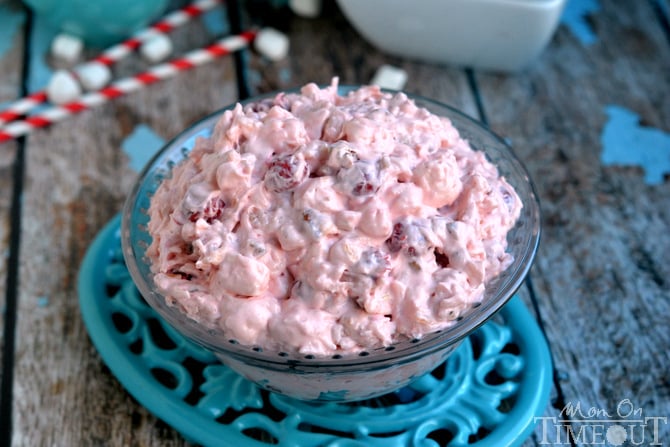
{"points": [[165, 25], [116, 52], [127, 85]]}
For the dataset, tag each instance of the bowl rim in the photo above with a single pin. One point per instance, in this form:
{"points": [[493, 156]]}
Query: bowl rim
{"points": [[403, 351]]}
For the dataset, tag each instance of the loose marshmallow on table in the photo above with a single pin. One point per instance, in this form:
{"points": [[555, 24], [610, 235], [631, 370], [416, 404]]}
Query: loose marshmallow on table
{"points": [[93, 75], [63, 87], [306, 8], [272, 44], [388, 76], [67, 47], [156, 48]]}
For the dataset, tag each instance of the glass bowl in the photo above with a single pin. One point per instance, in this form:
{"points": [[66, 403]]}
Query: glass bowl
{"points": [[347, 377]]}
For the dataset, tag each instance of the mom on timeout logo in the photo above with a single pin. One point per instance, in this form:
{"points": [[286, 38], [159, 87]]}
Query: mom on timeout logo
{"points": [[596, 426]]}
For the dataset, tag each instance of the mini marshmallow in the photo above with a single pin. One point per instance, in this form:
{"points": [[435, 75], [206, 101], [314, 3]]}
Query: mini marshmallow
{"points": [[388, 76], [93, 75], [63, 88], [156, 48], [67, 47], [306, 8], [272, 44]]}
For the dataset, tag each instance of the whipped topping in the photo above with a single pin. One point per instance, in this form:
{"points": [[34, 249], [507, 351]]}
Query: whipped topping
{"points": [[317, 223]]}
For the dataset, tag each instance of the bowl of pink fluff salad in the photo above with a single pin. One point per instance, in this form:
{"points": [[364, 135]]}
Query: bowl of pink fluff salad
{"points": [[331, 243]]}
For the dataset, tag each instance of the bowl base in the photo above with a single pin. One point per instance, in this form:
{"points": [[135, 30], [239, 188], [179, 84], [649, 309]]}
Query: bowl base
{"points": [[489, 392]]}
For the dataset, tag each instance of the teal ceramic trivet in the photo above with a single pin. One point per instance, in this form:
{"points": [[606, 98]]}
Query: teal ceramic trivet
{"points": [[487, 393]]}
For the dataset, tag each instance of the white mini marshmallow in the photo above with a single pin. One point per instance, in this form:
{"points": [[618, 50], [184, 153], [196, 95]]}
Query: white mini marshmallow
{"points": [[306, 8], [156, 48], [67, 47], [63, 88], [93, 75], [388, 76], [272, 44]]}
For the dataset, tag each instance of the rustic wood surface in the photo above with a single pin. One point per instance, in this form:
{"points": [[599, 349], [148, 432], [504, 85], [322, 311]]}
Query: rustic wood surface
{"points": [[10, 89], [600, 285], [602, 273]]}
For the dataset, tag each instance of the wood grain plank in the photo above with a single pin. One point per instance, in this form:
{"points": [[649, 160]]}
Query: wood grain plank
{"points": [[603, 267], [11, 37], [328, 46], [77, 178]]}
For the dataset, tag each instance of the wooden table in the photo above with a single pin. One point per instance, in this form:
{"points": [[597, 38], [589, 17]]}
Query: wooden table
{"points": [[582, 117]]}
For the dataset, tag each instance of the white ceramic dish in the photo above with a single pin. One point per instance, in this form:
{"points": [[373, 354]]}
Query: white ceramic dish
{"points": [[503, 35]]}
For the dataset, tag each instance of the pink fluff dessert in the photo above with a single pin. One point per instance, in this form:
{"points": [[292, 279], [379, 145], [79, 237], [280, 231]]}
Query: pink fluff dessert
{"points": [[319, 224]]}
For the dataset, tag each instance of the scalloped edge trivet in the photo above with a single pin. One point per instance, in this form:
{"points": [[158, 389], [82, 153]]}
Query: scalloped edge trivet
{"points": [[488, 393]]}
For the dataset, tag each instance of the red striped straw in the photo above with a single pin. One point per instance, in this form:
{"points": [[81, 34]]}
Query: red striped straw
{"points": [[127, 85], [117, 52]]}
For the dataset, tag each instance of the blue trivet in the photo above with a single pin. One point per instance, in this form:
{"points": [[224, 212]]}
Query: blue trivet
{"points": [[486, 394]]}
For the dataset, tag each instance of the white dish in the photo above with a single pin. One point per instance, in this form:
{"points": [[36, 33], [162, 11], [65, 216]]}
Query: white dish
{"points": [[501, 35]]}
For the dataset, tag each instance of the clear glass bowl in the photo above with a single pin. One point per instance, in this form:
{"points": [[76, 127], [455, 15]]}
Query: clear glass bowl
{"points": [[341, 377]]}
